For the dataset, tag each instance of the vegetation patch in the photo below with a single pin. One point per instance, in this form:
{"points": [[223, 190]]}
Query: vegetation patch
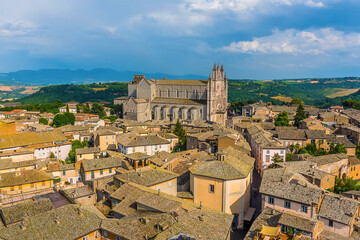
{"points": [[282, 98], [339, 92]]}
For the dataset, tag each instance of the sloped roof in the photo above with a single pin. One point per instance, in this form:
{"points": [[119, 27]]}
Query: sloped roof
{"points": [[131, 140], [277, 182], [31, 138], [57, 224], [338, 209], [87, 150], [235, 165], [17, 213], [182, 82], [24, 177], [148, 177], [101, 163], [77, 192]]}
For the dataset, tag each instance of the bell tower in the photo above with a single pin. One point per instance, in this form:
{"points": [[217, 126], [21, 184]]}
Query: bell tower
{"points": [[217, 95]]}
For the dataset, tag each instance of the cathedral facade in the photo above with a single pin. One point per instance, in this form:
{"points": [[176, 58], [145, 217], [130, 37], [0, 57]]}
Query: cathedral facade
{"points": [[163, 99]]}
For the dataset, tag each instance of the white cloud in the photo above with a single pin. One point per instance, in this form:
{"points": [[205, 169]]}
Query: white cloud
{"points": [[292, 41], [15, 28], [248, 5]]}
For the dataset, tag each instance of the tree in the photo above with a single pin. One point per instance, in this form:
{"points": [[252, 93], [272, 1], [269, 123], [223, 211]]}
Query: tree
{"points": [[43, 121], [296, 101], [67, 108], [52, 155], [345, 184], [300, 114], [86, 108], [282, 119], [180, 132], [98, 109], [63, 119], [75, 145], [277, 158], [339, 148]]}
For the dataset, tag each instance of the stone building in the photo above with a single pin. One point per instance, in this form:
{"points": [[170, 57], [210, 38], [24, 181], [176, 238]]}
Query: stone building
{"points": [[163, 99]]}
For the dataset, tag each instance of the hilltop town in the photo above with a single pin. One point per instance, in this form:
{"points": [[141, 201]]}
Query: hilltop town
{"points": [[171, 160]]}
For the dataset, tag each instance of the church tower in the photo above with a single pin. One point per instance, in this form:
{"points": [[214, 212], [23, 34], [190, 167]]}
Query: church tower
{"points": [[217, 95]]}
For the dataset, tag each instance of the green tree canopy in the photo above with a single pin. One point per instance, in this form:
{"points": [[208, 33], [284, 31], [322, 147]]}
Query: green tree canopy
{"points": [[75, 145], [345, 184], [43, 121], [300, 114], [63, 119], [282, 119], [296, 101], [98, 109], [181, 133]]}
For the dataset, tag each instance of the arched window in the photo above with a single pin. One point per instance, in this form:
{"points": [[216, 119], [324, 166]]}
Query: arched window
{"points": [[186, 93], [177, 93], [196, 94], [168, 93]]}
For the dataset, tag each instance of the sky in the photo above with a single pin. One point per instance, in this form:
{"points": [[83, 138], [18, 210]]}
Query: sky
{"points": [[254, 39]]}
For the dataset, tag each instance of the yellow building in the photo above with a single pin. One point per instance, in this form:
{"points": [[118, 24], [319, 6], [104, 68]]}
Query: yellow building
{"points": [[224, 183], [105, 140], [98, 168], [25, 181], [86, 153]]}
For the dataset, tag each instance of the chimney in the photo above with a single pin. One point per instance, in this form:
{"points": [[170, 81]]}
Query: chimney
{"points": [[272, 212], [221, 156]]}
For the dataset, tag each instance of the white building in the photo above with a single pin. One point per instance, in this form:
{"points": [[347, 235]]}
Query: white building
{"points": [[150, 144]]}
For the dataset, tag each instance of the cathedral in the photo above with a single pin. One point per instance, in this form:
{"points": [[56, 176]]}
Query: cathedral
{"points": [[163, 99]]}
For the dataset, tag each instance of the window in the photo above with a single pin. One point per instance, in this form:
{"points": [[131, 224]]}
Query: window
{"points": [[211, 188], [107, 143], [92, 174], [32, 185], [271, 200], [191, 140], [287, 204], [105, 233], [107, 137], [267, 151], [64, 173], [12, 188], [159, 93], [118, 238], [101, 172], [331, 223], [85, 238], [20, 187], [282, 152], [267, 158], [110, 170], [169, 184], [186, 93], [43, 183], [328, 179], [113, 137], [304, 208], [177, 93]]}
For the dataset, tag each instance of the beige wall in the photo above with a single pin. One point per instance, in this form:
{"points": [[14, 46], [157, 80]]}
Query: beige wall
{"points": [[27, 187], [169, 187], [295, 206], [20, 158], [337, 228], [199, 186], [80, 157], [104, 143], [97, 173]]}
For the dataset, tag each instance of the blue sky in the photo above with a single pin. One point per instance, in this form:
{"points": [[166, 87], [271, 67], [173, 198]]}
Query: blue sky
{"points": [[257, 39]]}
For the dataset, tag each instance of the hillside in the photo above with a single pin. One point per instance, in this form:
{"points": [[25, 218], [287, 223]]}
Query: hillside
{"points": [[82, 93], [320, 92]]}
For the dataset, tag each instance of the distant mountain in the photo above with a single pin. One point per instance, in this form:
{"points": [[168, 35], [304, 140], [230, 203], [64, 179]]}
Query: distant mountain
{"points": [[65, 76]]}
